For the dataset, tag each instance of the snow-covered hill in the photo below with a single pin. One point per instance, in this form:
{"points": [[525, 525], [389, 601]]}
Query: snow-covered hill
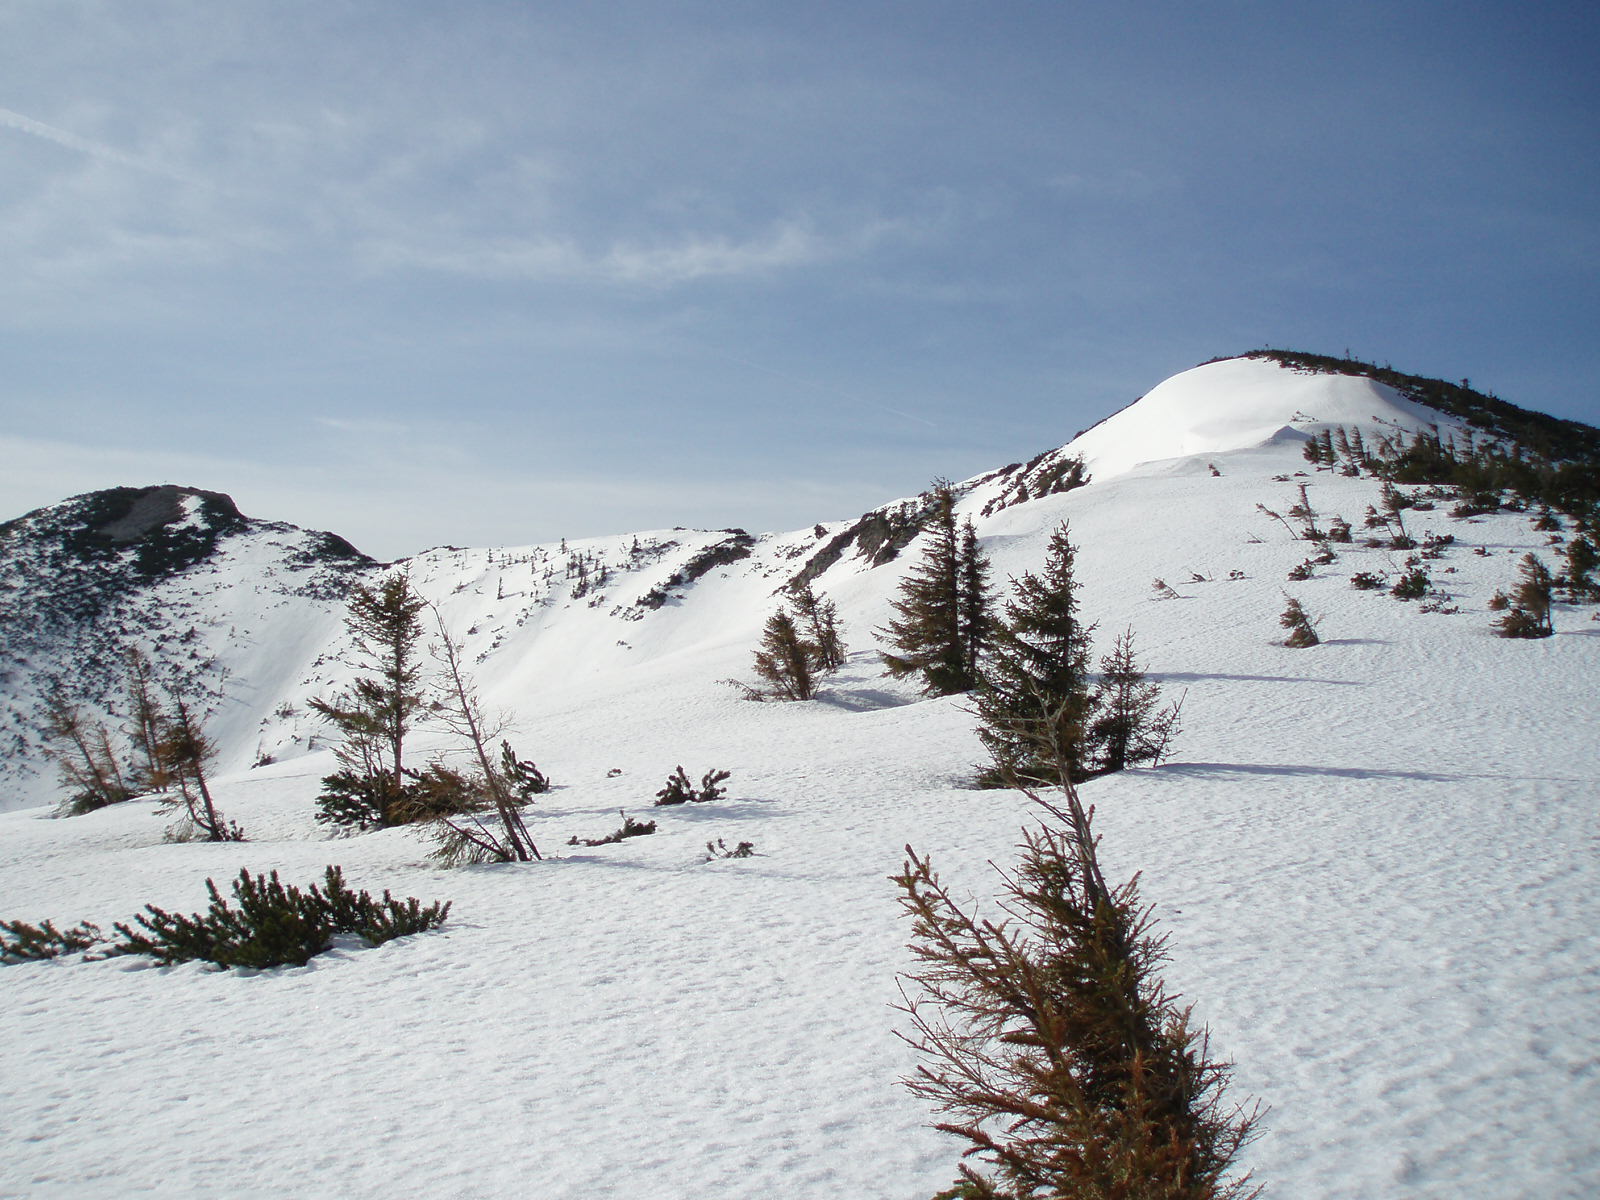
{"points": [[1376, 858]]}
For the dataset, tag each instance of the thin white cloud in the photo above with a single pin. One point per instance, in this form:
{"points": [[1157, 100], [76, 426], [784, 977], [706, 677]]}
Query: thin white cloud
{"points": [[62, 137], [789, 244]]}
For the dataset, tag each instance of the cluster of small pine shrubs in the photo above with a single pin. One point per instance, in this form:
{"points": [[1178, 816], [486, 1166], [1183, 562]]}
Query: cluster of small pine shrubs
{"points": [[273, 925], [679, 790], [21, 942]]}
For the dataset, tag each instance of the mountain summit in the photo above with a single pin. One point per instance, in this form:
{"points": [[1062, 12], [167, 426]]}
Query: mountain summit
{"points": [[1243, 403]]}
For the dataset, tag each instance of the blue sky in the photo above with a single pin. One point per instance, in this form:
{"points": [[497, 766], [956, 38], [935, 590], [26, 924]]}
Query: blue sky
{"points": [[501, 272]]}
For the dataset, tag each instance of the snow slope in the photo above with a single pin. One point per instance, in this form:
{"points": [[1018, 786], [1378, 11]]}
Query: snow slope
{"points": [[1376, 860], [1240, 403]]}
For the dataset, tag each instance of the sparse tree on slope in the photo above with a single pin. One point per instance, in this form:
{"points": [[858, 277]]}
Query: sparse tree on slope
{"points": [[1531, 600], [1129, 724], [153, 773], [376, 713], [1583, 556], [82, 751], [785, 660], [187, 751], [1034, 700], [1302, 629], [818, 618], [467, 838], [976, 623], [942, 613], [1050, 1044]]}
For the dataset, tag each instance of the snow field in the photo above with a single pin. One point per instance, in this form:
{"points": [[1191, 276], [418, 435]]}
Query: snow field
{"points": [[1376, 860]]}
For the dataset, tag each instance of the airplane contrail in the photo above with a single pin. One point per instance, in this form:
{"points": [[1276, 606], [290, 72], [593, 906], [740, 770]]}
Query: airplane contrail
{"points": [[72, 141]]}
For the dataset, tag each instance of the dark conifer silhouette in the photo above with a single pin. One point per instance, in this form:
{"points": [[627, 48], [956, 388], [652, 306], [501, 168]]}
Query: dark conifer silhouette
{"points": [[1129, 725], [1034, 699], [186, 750], [785, 660], [1302, 629], [942, 617], [817, 619]]}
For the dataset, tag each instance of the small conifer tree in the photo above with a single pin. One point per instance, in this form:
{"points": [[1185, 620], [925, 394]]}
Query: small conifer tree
{"points": [[976, 623], [1130, 726], [1049, 1042], [458, 710], [1033, 702], [152, 773], [84, 757], [941, 622], [186, 750], [1302, 629], [377, 712], [522, 775], [1583, 556], [785, 660], [818, 618], [1531, 599]]}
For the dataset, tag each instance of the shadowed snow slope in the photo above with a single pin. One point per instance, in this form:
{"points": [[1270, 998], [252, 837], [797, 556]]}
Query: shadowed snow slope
{"points": [[1376, 859]]}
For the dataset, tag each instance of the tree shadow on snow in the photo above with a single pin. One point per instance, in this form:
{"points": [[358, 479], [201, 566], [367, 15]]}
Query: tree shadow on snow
{"points": [[1191, 676], [1206, 769], [861, 699]]}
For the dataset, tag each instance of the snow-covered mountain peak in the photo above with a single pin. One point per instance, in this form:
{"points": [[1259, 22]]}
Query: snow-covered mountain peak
{"points": [[1241, 403]]}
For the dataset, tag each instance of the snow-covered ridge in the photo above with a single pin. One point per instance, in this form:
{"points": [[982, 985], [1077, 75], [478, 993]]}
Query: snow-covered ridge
{"points": [[1375, 858], [262, 599], [1241, 403]]}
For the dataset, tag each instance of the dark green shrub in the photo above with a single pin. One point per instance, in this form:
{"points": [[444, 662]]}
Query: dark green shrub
{"points": [[354, 802], [439, 791], [679, 790], [21, 942], [523, 776], [1366, 581], [1519, 623], [1413, 585], [274, 925]]}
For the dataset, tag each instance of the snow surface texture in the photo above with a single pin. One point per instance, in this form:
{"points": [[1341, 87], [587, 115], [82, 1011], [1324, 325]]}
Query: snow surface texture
{"points": [[1376, 860]]}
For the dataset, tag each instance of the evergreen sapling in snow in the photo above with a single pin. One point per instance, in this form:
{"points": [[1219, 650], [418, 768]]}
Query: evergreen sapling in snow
{"points": [[1049, 1044], [1034, 700], [1530, 602], [785, 661], [1129, 725], [818, 619], [375, 714], [1302, 629]]}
